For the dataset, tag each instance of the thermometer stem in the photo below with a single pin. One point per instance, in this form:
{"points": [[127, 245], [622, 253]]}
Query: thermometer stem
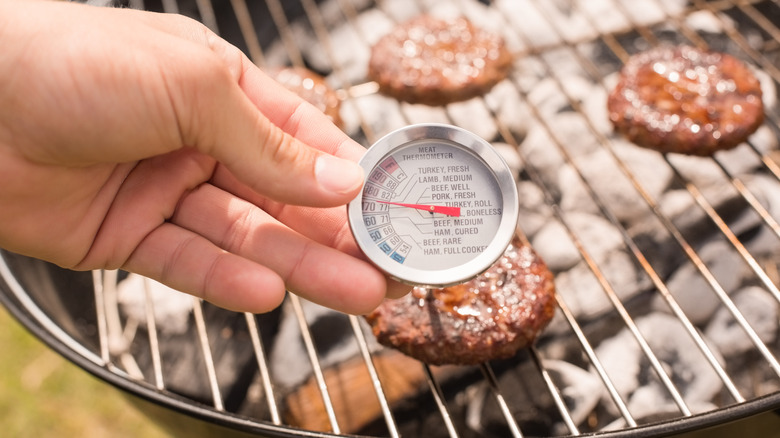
{"points": [[443, 209]]}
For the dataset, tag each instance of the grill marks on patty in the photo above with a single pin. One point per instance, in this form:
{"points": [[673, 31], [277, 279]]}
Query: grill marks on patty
{"points": [[490, 317]]}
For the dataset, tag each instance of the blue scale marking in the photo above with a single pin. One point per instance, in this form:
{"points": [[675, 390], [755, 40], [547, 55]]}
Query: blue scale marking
{"points": [[398, 257]]}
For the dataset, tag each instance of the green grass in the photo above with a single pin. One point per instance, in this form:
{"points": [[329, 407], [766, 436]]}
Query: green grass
{"points": [[43, 395]]}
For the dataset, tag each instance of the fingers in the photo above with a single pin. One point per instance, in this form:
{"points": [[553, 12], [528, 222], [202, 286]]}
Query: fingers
{"points": [[222, 248], [147, 197], [327, 226], [198, 267], [314, 271]]}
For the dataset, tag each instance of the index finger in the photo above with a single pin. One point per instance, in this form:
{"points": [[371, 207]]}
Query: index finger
{"points": [[297, 118]]}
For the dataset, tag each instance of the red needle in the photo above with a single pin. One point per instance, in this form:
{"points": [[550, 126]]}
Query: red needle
{"points": [[449, 211]]}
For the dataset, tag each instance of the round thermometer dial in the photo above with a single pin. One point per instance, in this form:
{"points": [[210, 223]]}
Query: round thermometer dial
{"points": [[438, 207]]}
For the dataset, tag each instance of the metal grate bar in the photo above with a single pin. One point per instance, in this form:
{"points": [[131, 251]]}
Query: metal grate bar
{"points": [[766, 217], [490, 376], [487, 371], [689, 326], [738, 38], [320, 29], [111, 309], [375, 381], [660, 286], [356, 90], [596, 363], [248, 31], [262, 364], [136, 4], [98, 283], [556, 394], [692, 35], [154, 345], [312, 12], [616, 397], [315, 362], [208, 360], [170, 6], [610, 292], [767, 25], [283, 26], [724, 296], [438, 397], [207, 15], [118, 339]]}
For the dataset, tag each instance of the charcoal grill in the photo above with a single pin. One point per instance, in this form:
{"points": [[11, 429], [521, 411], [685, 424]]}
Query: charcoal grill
{"points": [[214, 376]]}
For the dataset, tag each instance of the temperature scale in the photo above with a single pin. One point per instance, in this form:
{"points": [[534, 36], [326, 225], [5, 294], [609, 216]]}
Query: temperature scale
{"points": [[439, 205]]}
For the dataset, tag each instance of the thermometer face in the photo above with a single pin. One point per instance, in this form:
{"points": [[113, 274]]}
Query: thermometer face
{"points": [[438, 206]]}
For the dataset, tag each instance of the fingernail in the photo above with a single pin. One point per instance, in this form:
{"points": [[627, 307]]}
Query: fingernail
{"points": [[337, 175]]}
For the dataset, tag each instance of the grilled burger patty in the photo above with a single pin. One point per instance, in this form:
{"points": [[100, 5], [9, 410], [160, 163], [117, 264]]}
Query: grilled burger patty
{"points": [[681, 99], [435, 62], [489, 317]]}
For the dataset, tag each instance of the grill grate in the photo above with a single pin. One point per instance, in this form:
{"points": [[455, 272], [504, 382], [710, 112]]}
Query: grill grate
{"points": [[749, 30]]}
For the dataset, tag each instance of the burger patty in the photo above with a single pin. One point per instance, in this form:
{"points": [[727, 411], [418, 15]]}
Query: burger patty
{"points": [[490, 317], [312, 88], [435, 62], [681, 99]]}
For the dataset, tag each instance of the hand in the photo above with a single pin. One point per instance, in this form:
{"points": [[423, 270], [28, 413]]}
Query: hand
{"points": [[145, 142]]}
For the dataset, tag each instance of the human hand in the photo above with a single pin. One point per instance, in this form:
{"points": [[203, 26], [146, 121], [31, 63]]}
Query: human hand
{"points": [[145, 142]]}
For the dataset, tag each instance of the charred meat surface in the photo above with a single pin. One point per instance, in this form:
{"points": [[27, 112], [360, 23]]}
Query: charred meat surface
{"points": [[435, 62], [681, 99], [490, 317]]}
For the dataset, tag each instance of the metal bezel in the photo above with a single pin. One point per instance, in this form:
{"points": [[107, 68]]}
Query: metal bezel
{"points": [[481, 149]]}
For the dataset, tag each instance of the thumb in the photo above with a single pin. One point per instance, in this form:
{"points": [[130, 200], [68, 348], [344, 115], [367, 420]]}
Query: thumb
{"points": [[217, 117], [279, 165]]}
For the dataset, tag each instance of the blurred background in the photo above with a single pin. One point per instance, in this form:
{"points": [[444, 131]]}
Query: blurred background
{"points": [[44, 395]]}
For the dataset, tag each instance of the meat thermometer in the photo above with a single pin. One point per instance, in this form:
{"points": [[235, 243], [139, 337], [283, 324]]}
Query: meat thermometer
{"points": [[438, 207]]}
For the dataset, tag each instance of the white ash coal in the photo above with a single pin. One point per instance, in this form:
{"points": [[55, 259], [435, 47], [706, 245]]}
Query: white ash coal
{"points": [[331, 332], [692, 291], [758, 308], [581, 390], [183, 366], [629, 369]]}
